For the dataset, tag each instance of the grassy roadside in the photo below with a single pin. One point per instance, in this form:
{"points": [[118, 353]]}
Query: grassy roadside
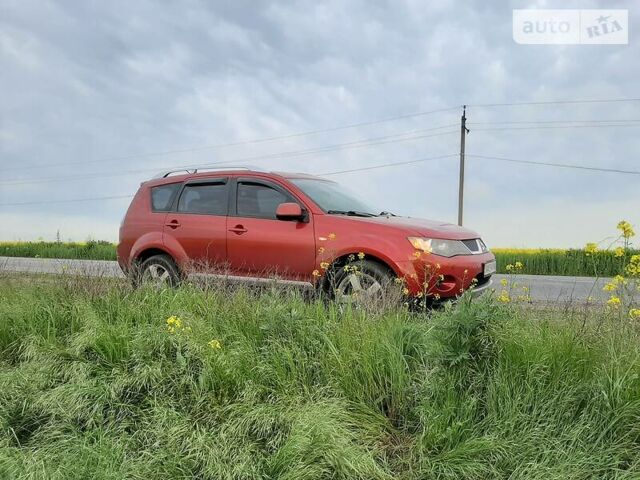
{"points": [[102, 382], [536, 261]]}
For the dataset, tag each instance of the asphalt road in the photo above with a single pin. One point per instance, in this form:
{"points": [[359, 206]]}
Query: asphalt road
{"points": [[541, 288]]}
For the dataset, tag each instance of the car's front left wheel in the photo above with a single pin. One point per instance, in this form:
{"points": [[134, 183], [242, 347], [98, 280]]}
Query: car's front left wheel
{"points": [[364, 283]]}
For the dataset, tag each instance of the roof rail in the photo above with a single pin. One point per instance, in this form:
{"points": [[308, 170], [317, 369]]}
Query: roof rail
{"points": [[204, 168]]}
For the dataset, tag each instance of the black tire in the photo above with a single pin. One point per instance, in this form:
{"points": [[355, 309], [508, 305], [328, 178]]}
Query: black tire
{"points": [[369, 280], [158, 270]]}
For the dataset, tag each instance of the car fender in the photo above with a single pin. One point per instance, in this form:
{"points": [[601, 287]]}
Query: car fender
{"points": [[153, 240], [376, 247], [174, 248]]}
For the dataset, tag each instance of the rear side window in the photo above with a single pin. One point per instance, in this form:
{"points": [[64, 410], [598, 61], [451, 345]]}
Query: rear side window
{"points": [[210, 198], [162, 197]]}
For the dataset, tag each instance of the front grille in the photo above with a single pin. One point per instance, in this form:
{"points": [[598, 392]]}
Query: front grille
{"points": [[475, 245]]}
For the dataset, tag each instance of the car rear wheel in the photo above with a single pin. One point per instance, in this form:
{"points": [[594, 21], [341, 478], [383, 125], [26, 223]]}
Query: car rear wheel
{"points": [[363, 283], [159, 271]]}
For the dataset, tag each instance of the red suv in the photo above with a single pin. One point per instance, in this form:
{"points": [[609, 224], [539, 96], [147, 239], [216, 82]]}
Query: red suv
{"points": [[299, 228]]}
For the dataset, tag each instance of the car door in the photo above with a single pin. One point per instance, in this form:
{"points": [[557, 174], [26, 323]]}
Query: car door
{"points": [[260, 245], [198, 223]]}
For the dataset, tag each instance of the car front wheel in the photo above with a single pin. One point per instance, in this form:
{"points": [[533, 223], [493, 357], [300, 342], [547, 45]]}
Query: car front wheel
{"points": [[364, 283]]}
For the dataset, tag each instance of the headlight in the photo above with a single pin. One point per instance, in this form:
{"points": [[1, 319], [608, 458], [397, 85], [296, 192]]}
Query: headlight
{"points": [[437, 246]]}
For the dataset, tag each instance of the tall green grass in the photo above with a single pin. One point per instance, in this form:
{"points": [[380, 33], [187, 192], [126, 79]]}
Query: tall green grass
{"points": [[90, 250], [93, 385], [562, 262]]}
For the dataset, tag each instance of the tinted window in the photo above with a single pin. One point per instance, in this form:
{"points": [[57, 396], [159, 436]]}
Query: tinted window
{"points": [[256, 200], [162, 197], [208, 198]]}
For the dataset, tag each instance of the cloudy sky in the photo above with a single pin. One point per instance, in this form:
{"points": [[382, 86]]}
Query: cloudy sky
{"points": [[98, 96]]}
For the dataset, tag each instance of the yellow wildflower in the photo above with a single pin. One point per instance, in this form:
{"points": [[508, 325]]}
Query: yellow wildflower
{"points": [[315, 273], [626, 229], [405, 290], [620, 280], [174, 321], [614, 301], [610, 287], [215, 344], [360, 255], [634, 313], [504, 282], [509, 267], [633, 267], [324, 265], [590, 248], [619, 252], [519, 266], [504, 297]]}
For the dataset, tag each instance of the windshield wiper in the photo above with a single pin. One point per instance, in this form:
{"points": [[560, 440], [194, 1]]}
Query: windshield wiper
{"points": [[351, 213], [387, 214]]}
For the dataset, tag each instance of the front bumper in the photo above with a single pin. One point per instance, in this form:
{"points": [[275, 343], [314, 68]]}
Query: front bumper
{"points": [[443, 277]]}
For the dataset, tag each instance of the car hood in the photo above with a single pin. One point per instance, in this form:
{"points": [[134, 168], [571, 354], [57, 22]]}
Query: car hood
{"points": [[421, 227]]}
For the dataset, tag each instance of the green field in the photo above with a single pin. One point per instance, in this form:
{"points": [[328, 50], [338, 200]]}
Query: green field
{"points": [[535, 261], [562, 262], [98, 381], [90, 250]]}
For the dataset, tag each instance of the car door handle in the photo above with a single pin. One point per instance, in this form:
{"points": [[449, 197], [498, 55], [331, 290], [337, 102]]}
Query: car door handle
{"points": [[238, 229], [173, 224]]}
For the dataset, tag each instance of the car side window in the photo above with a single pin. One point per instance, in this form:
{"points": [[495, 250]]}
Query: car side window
{"points": [[259, 200], [209, 198], [162, 196]]}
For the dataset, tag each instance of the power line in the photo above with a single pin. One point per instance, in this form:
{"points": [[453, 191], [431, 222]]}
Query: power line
{"points": [[318, 131], [553, 102], [385, 165], [553, 127], [90, 199], [240, 142], [561, 165], [522, 122], [372, 167], [394, 138], [72, 200]]}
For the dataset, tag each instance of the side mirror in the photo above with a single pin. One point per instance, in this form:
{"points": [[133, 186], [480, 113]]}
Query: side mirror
{"points": [[290, 211]]}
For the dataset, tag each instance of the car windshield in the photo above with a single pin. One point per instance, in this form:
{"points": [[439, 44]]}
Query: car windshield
{"points": [[333, 197]]}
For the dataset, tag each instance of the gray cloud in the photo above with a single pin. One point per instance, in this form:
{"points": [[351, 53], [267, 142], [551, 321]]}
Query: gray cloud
{"points": [[102, 81]]}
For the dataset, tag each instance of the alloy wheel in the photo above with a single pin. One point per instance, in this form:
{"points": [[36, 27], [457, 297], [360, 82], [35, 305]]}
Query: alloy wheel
{"points": [[359, 288]]}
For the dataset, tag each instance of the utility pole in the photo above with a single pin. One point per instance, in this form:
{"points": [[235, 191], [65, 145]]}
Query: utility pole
{"points": [[463, 133]]}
